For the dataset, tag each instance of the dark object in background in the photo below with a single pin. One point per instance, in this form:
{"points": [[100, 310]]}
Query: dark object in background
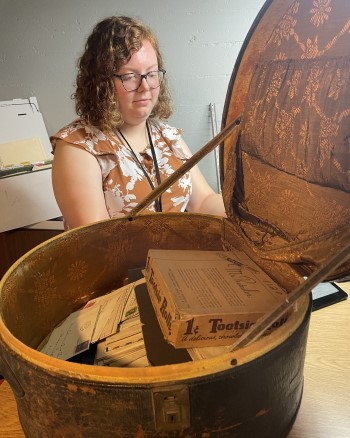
{"points": [[326, 294]]}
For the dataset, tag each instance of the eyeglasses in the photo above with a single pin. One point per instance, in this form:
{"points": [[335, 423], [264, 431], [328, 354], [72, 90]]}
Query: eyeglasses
{"points": [[132, 81]]}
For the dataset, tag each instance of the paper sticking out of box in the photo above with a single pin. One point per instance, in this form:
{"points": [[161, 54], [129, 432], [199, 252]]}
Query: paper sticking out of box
{"points": [[208, 298], [125, 348], [30, 150], [97, 320]]}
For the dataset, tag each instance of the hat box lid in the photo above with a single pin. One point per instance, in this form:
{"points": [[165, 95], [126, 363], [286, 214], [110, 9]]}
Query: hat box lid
{"points": [[286, 171]]}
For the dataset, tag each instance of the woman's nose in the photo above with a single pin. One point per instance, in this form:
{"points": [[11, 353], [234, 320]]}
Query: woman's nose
{"points": [[144, 85]]}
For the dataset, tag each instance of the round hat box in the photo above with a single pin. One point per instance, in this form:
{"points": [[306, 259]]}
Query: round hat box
{"points": [[287, 194], [254, 391]]}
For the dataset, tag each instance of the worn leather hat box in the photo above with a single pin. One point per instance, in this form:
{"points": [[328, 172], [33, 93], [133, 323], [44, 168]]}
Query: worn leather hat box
{"points": [[286, 188]]}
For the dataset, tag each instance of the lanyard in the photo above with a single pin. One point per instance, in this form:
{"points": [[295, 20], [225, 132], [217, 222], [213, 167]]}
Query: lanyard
{"points": [[158, 201]]}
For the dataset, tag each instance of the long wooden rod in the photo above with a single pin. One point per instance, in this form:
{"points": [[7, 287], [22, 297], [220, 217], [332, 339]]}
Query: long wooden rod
{"points": [[303, 289], [212, 144]]}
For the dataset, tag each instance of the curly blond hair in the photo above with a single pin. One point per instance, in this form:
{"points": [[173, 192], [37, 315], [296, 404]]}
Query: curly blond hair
{"points": [[109, 46]]}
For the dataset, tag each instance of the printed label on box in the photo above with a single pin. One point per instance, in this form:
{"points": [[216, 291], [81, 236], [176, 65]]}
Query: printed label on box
{"points": [[206, 298]]}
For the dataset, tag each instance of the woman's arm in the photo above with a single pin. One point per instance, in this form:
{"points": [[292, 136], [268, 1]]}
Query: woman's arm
{"points": [[77, 184], [203, 198]]}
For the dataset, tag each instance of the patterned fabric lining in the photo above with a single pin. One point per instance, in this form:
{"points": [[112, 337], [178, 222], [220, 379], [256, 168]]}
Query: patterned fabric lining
{"points": [[287, 178]]}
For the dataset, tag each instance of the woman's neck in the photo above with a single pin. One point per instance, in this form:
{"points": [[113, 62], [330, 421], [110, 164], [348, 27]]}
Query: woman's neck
{"points": [[136, 135]]}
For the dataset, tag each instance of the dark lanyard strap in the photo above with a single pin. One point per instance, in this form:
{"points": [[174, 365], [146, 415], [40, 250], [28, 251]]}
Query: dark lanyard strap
{"points": [[158, 201], [155, 161]]}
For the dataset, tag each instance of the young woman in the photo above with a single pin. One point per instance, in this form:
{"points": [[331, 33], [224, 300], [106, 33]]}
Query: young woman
{"points": [[121, 147]]}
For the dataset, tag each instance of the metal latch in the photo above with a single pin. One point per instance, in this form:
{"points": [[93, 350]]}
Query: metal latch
{"points": [[171, 408]]}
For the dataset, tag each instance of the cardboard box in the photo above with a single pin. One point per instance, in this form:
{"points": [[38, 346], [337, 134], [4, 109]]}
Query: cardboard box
{"points": [[25, 198], [208, 298]]}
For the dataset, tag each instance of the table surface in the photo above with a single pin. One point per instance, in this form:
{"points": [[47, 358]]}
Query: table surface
{"points": [[325, 406]]}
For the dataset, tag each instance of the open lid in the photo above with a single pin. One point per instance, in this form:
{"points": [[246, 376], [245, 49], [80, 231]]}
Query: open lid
{"points": [[286, 174]]}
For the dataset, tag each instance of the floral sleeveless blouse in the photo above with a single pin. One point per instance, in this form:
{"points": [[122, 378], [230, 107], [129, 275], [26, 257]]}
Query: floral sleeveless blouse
{"points": [[124, 181]]}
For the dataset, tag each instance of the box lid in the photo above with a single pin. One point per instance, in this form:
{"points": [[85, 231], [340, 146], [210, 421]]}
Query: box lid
{"points": [[286, 173]]}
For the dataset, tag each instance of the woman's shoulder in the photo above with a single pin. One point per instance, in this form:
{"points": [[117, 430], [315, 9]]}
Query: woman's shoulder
{"points": [[166, 134], [78, 129], [89, 137], [167, 131]]}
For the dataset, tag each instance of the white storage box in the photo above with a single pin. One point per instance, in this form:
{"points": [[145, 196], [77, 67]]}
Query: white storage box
{"points": [[25, 198]]}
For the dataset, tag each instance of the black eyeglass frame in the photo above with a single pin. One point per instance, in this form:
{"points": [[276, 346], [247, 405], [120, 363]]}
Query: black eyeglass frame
{"points": [[145, 76]]}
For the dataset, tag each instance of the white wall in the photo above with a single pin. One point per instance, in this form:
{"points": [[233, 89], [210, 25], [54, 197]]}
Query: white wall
{"points": [[40, 41]]}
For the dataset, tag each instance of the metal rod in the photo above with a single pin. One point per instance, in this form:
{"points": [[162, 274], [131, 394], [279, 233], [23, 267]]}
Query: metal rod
{"points": [[304, 288], [214, 129], [220, 137]]}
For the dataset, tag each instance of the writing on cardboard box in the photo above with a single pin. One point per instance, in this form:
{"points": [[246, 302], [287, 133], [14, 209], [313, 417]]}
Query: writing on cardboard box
{"points": [[206, 298]]}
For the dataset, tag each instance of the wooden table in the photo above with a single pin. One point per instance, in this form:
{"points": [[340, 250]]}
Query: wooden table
{"points": [[325, 406]]}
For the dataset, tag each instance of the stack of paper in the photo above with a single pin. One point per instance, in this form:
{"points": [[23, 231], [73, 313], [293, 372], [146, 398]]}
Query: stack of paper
{"points": [[125, 348], [112, 321]]}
